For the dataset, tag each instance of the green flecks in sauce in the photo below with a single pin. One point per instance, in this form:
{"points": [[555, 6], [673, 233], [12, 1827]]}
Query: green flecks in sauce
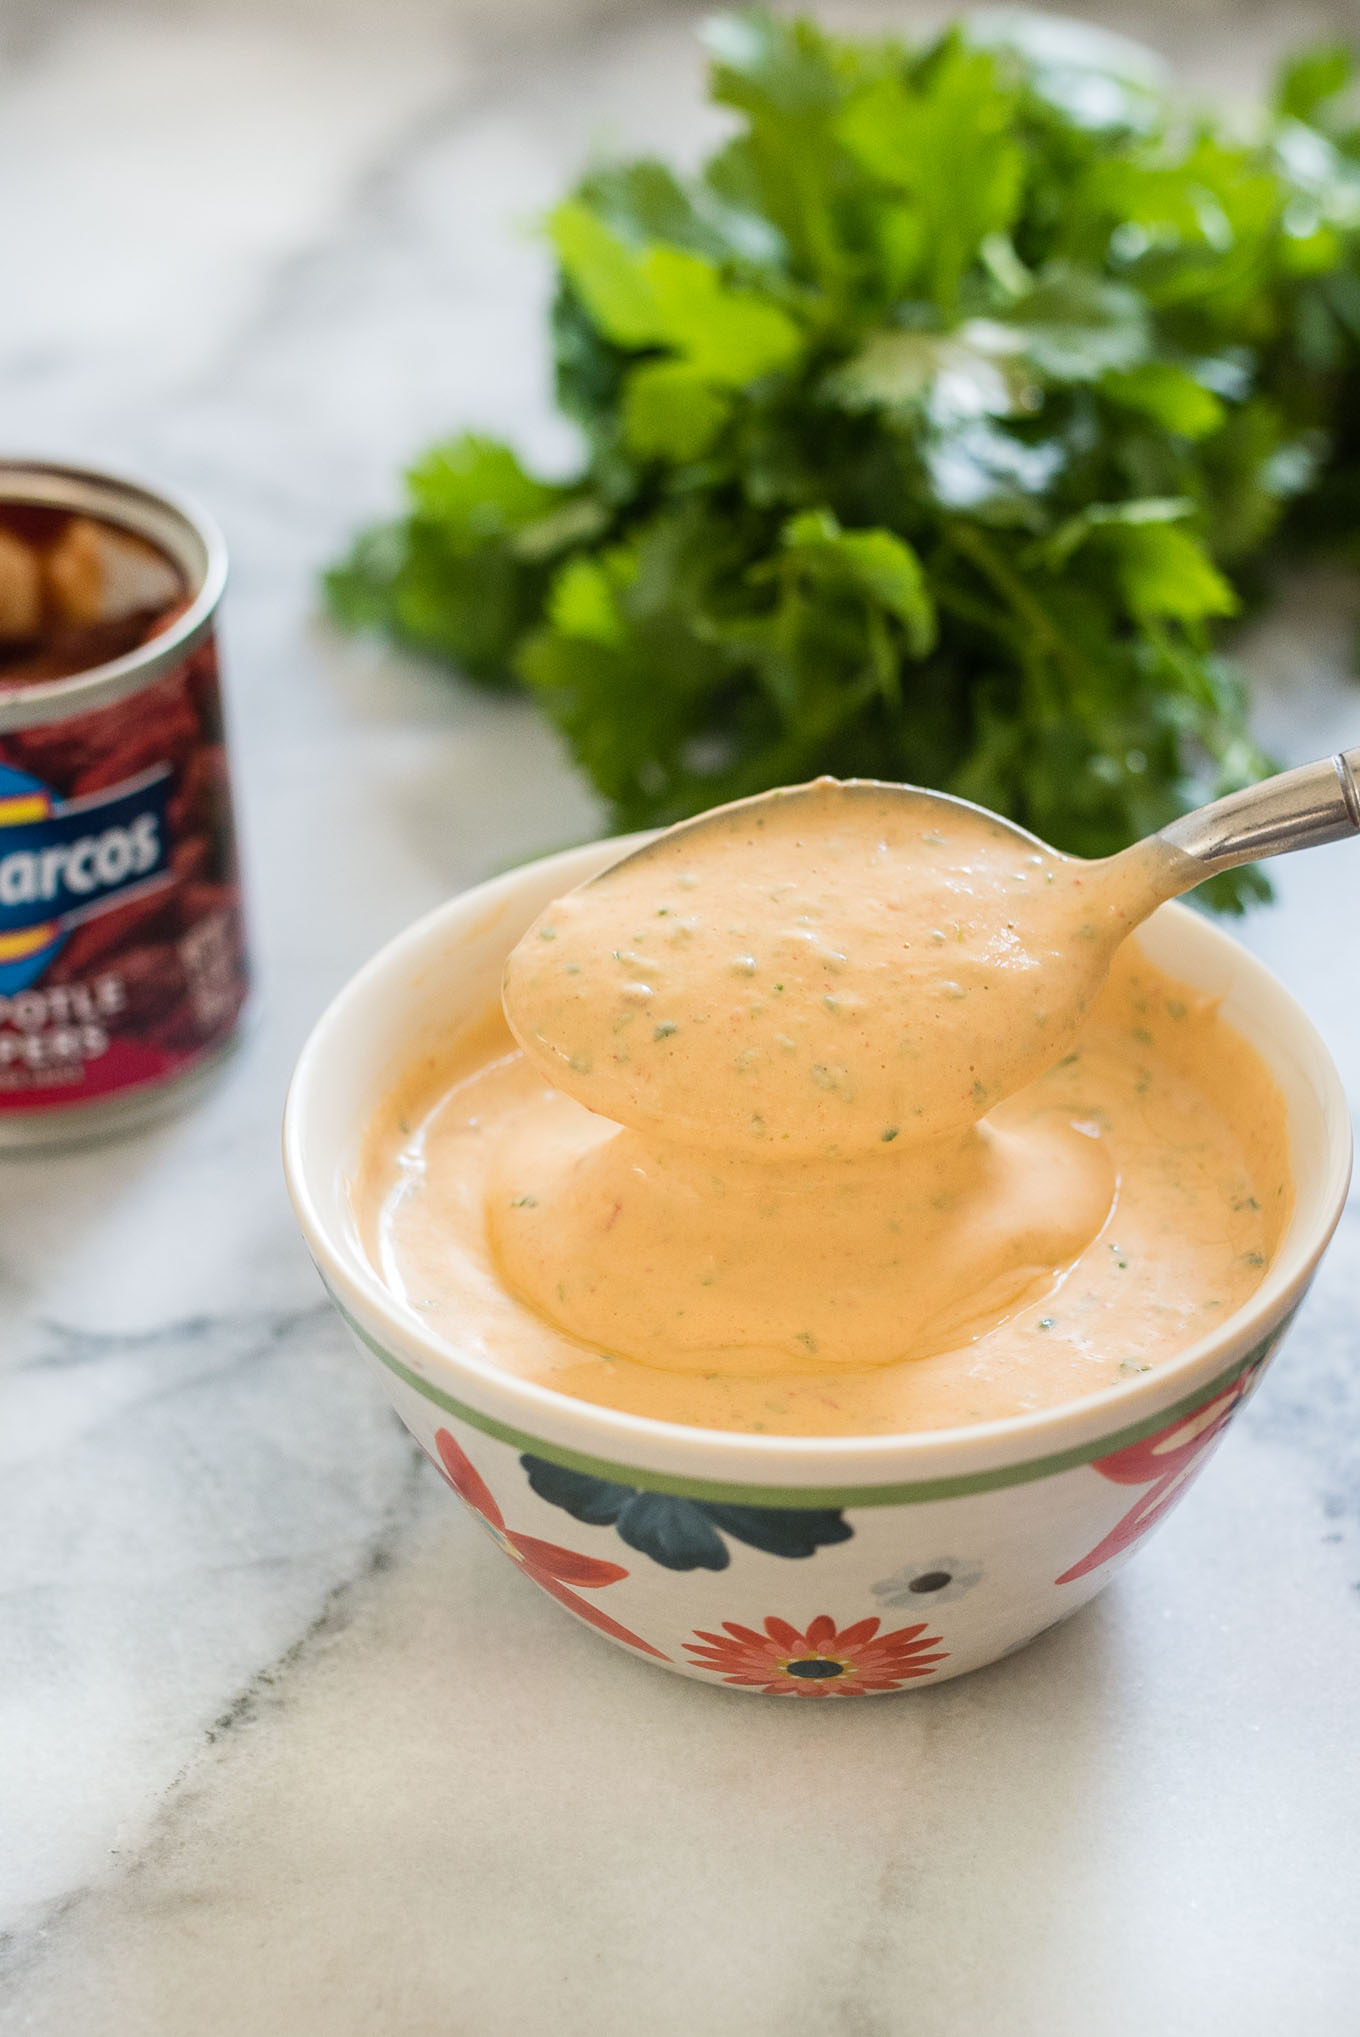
{"points": [[833, 1078]]}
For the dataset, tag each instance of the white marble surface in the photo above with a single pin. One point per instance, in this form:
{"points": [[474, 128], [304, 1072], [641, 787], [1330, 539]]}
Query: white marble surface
{"points": [[284, 1744]]}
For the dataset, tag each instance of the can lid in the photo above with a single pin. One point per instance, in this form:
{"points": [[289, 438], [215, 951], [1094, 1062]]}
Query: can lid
{"points": [[167, 519]]}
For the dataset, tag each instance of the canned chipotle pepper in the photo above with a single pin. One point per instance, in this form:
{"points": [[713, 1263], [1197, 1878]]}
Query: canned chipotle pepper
{"points": [[123, 967]]}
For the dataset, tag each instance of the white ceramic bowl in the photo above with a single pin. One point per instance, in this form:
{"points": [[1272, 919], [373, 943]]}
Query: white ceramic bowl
{"points": [[794, 1565]]}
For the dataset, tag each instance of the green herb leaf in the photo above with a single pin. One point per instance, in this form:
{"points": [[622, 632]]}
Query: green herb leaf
{"points": [[464, 575], [671, 411], [607, 277], [883, 567], [476, 489], [933, 429], [1168, 395], [1312, 77], [1164, 571], [729, 335], [947, 142]]}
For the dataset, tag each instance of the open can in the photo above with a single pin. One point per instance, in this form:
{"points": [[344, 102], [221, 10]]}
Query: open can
{"points": [[123, 963]]}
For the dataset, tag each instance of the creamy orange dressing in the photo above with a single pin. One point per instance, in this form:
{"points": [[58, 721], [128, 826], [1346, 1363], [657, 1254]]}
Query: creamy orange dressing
{"points": [[825, 1126], [813, 974]]}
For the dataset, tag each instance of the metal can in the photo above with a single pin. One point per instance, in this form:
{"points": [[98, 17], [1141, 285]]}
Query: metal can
{"points": [[123, 962]]}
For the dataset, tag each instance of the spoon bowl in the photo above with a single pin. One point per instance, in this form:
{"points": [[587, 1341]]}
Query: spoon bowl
{"points": [[918, 958]]}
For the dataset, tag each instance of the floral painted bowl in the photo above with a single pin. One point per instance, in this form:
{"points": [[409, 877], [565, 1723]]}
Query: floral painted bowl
{"points": [[801, 1567]]}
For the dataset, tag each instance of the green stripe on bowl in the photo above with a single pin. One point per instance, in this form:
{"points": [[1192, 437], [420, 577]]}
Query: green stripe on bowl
{"points": [[730, 1494]]}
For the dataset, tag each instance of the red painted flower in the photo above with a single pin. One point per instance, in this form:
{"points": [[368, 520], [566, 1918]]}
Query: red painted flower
{"points": [[553, 1568], [1165, 1464], [821, 1663]]}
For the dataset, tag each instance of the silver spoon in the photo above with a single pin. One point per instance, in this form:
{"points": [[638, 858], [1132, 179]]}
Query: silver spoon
{"points": [[1300, 809]]}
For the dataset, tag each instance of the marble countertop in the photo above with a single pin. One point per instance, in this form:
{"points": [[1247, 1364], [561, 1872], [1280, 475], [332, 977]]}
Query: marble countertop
{"points": [[284, 1746]]}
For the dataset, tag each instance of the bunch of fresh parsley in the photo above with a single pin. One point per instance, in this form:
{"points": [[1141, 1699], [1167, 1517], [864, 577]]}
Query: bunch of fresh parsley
{"points": [[930, 432]]}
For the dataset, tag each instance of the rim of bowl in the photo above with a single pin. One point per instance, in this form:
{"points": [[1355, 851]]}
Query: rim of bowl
{"points": [[618, 1438]]}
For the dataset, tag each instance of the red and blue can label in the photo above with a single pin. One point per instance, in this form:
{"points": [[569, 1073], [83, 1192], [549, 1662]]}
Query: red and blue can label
{"points": [[122, 952]]}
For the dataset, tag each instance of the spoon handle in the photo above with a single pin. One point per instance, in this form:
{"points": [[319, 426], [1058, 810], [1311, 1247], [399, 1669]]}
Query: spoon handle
{"points": [[1297, 810]]}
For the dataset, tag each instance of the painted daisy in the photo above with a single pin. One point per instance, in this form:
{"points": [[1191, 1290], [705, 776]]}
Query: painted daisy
{"points": [[823, 1662]]}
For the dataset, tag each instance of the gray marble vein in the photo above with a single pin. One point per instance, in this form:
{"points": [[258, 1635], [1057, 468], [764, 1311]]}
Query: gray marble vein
{"points": [[175, 1503], [284, 1746]]}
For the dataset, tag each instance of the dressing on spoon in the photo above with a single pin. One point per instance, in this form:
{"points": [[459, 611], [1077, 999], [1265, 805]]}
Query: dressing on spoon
{"points": [[815, 973], [785, 1024]]}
